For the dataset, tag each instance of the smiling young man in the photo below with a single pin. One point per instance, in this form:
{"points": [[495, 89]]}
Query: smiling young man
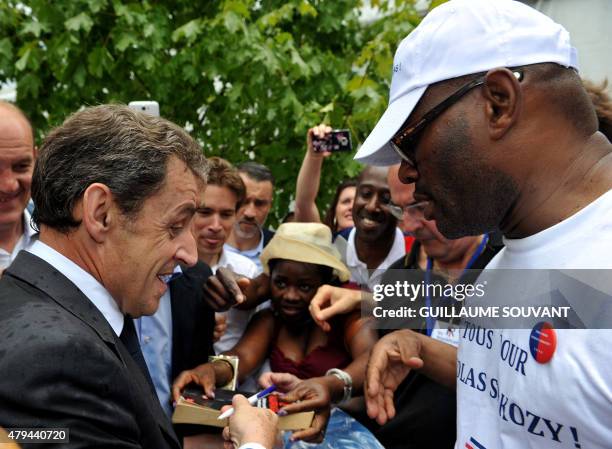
{"points": [[490, 120], [375, 242], [17, 156], [212, 226], [115, 192]]}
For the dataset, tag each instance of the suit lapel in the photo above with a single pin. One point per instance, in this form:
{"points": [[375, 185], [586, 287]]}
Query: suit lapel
{"points": [[38, 273]]}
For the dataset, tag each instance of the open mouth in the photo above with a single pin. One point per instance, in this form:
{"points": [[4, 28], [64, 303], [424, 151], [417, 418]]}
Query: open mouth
{"points": [[165, 278], [369, 223]]}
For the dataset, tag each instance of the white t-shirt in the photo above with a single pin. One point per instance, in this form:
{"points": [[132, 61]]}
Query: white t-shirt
{"points": [[564, 403]]}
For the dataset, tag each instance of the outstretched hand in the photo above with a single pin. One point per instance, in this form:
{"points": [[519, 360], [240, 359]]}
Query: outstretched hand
{"points": [[390, 361], [203, 375]]}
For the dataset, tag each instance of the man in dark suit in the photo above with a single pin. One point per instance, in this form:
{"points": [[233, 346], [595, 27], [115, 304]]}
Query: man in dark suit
{"points": [[115, 192]]}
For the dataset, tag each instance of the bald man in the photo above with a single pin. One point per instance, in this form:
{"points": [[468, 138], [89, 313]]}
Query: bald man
{"points": [[17, 156]]}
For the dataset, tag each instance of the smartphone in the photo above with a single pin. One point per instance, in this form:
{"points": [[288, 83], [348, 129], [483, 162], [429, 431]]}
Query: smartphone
{"points": [[148, 107], [336, 140]]}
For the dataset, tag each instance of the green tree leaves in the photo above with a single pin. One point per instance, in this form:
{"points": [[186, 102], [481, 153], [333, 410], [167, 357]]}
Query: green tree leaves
{"points": [[250, 76]]}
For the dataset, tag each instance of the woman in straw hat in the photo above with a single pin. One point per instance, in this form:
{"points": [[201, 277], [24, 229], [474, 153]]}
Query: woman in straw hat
{"points": [[299, 259]]}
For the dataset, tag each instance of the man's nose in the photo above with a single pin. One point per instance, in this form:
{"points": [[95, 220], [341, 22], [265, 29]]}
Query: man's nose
{"points": [[215, 223], [249, 211], [373, 204], [187, 252], [407, 173], [412, 224], [8, 182]]}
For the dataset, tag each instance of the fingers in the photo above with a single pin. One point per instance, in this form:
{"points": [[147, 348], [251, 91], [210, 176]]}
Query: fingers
{"points": [[183, 379], [284, 381], [320, 301], [317, 132], [239, 402], [321, 131], [409, 349], [223, 290], [243, 284], [228, 279], [208, 383], [227, 437], [304, 406], [220, 326], [310, 435], [389, 405], [330, 301], [316, 432], [265, 380], [216, 295], [308, 395]]}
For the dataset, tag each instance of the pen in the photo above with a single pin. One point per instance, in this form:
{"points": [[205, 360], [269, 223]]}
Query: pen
{"points": [[252, 400]]}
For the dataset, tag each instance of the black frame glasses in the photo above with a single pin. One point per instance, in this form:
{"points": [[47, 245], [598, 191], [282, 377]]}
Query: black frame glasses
{"points": [[404, 142]]}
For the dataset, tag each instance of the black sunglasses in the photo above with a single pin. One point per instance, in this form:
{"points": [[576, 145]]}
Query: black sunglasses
{"points": [[405, 141]]}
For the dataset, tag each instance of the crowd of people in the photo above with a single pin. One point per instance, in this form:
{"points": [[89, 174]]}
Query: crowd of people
{"points": [[141, 268]]}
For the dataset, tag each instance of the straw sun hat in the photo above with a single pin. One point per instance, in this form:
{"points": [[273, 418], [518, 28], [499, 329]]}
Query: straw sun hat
{"points": [[304, 242]]}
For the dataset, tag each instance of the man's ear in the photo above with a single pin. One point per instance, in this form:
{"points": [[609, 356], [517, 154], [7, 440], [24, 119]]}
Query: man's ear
{"points": [[504, 101], [97, 211]]}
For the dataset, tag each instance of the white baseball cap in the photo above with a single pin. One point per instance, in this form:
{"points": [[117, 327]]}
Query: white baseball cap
{"points": [[457, 38]]}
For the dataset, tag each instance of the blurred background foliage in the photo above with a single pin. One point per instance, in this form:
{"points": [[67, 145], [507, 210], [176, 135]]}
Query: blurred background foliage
{"points": [[246, 78]]}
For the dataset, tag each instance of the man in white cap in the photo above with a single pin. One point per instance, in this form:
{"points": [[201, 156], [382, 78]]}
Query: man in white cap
{"points": [[489, 119]]}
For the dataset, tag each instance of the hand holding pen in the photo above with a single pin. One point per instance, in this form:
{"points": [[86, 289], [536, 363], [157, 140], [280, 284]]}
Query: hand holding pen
{"points": [[251, 399]]}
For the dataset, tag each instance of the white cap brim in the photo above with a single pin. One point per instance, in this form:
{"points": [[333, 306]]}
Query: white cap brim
{"points": [[376, 149]]}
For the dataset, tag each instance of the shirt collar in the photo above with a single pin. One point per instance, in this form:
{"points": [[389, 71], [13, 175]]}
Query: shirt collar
{"points": [[398, 249], [222, 262], [254, 252], [91, 288], [28, 230]]}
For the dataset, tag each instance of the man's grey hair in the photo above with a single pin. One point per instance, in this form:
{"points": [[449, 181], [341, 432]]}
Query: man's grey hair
{"points": [[126, 150], [257, 172]]}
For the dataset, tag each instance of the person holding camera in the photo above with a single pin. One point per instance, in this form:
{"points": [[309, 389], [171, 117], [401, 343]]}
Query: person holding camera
{"points": [[339, 215]]}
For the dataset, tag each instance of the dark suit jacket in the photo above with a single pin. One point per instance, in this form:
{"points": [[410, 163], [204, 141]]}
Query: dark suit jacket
{"points": [[63, 366], [267, 236], [192, 320]]}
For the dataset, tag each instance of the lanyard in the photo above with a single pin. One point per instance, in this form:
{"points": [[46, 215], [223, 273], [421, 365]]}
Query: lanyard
{"points": [[429, 321]]}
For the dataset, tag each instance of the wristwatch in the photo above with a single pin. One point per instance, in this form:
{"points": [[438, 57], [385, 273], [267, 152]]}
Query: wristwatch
{"points": [[346, 379]]}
